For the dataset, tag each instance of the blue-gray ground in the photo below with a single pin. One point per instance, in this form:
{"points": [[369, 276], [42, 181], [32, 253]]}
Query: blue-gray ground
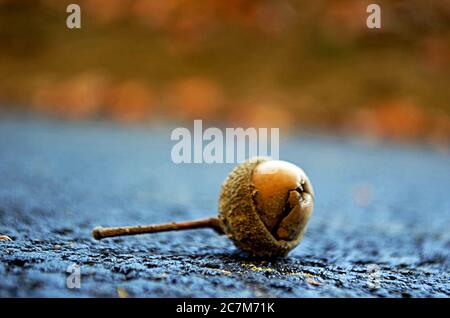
{"points": [[380, 226]]}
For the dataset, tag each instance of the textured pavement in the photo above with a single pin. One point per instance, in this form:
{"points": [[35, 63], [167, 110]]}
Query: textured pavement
{"points": [[380, 227]]}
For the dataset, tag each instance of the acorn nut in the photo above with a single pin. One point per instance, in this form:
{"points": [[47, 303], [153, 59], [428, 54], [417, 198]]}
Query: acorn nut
{"points": [[264, 208], [265, 205]]}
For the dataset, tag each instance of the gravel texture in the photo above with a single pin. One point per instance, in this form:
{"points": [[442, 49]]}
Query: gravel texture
{"points": [[380, 227]]}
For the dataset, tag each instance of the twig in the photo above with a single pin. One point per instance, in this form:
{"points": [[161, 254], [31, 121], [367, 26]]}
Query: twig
{"points": [[102, 232]]}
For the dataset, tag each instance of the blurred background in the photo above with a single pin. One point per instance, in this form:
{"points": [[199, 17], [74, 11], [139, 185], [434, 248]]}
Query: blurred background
{"points": [[297, 65]]}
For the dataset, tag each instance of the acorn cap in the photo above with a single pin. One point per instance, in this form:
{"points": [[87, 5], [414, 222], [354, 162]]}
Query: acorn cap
{"points": [[265, 205]]}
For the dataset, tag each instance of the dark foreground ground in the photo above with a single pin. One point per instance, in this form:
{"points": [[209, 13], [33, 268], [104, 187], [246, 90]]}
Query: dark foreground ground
{"points": [[380, 226]]}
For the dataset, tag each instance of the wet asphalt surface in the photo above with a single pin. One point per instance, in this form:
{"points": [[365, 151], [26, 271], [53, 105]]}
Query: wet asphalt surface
{"points": [[380, 227]]}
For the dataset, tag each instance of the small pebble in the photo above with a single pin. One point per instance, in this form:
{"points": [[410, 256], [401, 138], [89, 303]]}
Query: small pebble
{"points": [[121, 292], [5, 238], [312, 282]]}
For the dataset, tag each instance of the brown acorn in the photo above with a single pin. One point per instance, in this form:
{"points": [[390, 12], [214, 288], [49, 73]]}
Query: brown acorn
{"points": [[264, 207]]}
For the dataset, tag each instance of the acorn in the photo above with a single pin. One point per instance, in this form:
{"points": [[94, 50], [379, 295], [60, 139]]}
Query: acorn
{"points": [[264, 208]]}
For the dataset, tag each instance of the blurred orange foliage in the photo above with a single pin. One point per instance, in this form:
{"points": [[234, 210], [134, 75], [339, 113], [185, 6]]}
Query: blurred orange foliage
{"points": [[265, 63], [194, 98], [77, 98], [130, 101]]}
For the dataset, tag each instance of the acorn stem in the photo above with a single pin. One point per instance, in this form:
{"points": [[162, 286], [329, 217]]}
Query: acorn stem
{"points": [[102, 232]]}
